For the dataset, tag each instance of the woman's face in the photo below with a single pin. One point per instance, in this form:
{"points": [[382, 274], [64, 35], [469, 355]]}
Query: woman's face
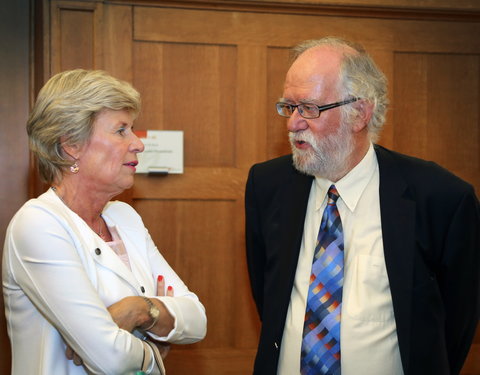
{"points": [[107, 161]]}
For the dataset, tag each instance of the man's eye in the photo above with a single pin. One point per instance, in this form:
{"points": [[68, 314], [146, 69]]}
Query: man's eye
{"points": [[309, 107]]}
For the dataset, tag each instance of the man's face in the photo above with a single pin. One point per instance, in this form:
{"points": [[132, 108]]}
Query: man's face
{"points": [[320, 146]]}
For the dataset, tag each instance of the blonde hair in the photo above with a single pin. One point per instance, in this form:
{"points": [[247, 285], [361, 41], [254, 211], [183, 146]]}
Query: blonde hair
{"points": [[359, 77], [65, 110]]}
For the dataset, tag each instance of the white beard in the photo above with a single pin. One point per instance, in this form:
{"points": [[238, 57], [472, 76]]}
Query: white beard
{"points": [[328, 157]]}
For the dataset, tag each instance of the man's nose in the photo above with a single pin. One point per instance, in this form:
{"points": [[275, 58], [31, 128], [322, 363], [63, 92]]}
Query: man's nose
{"points": [[296, 122]]}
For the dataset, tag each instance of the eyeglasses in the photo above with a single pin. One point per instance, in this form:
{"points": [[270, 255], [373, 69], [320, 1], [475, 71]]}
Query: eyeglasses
{"points": [[309, 110]]}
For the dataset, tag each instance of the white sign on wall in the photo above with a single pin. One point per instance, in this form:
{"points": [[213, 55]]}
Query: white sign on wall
{"points": [[163, 152]]}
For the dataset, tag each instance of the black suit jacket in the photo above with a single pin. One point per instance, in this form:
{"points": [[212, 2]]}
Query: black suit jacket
{"points": [[430, 227]]}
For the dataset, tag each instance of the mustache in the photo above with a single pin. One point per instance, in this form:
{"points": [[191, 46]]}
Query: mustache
{"points": [[302, 136]]}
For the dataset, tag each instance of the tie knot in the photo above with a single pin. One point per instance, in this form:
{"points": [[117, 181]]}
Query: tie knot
{"points": [[333, 194]]}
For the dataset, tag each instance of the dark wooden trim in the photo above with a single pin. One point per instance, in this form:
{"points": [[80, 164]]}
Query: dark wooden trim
{"points": [[287, 7], [38, 72]]}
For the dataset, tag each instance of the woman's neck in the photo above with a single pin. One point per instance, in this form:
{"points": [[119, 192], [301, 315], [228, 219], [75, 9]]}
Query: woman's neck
{"points": [[84, 200]]}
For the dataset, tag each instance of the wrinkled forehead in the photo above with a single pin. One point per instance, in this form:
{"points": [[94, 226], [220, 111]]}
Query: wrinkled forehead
{"points": [[314, 73], [320, 60]]}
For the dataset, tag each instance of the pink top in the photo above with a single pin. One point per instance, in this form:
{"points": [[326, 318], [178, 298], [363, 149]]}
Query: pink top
{"points": [[118, 246]]}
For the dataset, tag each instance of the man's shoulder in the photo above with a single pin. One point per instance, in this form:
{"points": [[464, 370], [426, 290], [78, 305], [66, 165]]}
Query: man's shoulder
{"points": [[277, 170], [284, 162], [418, 171]]}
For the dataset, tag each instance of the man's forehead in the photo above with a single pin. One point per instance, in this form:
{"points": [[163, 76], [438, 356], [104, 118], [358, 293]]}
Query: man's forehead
{"points": [[311, 78], [315, 64], [322, 59]]}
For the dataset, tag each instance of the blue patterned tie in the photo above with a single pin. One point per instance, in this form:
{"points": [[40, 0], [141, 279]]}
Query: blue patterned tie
{"points": [[321, 331]]}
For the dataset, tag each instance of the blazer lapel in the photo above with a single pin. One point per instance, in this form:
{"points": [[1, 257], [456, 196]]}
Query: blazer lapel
{"points": [[292, 219], [134, 241], [105, 257], [140, 275], [398, 230], [93, 248]]}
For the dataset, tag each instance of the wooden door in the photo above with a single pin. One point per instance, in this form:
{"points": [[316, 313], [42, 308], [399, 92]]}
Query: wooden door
{"points": [[215, 70]]}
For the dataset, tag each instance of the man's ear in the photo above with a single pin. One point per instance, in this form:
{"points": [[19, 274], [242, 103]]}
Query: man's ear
{"points": [[364, 114]]}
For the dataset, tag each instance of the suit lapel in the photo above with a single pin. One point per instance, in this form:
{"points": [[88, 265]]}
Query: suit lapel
{"points": [[293, 217], [398, 230], [292, 220]]}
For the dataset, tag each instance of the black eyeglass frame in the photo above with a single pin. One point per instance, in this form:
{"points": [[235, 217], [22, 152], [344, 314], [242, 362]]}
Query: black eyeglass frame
{"points": [[321, 108]]}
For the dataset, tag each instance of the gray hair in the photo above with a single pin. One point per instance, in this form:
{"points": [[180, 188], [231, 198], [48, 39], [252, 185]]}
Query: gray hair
{"points": [[359, 77], [64, 113]]}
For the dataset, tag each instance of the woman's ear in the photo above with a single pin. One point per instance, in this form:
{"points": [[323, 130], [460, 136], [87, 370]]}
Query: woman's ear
{"points": [[69, 149], [364, 114]]}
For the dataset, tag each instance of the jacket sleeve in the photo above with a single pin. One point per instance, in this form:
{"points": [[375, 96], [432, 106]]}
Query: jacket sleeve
{"points": [[461, 279]]}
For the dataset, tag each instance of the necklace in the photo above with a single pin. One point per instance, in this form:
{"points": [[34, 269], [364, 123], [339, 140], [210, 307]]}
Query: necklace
{"points": [[99, 231]]}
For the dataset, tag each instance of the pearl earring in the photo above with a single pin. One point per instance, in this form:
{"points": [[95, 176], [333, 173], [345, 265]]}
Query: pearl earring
{"points": [[74, 168]]}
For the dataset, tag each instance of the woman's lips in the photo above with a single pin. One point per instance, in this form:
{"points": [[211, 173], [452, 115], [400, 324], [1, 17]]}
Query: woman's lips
{"points": [[131, 164]]}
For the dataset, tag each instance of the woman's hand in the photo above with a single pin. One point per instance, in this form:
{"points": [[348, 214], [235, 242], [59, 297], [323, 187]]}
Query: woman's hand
{"points": [[163, 347], [126, 313], [161, 287], [70, 354], [165, 322], [130, 313]]}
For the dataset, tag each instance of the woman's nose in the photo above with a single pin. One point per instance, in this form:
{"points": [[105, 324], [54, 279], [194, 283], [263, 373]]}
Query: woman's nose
{"points": [[137, 145]]}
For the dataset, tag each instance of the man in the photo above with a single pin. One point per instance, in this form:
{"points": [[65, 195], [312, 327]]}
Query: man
{"points": [[390, 283]]}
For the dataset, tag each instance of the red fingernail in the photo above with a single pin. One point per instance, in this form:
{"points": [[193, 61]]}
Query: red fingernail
{"points": [[160, 278], [170, 288]]}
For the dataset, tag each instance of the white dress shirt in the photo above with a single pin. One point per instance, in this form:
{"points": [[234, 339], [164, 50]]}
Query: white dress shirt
{"points": [[368, 337]]}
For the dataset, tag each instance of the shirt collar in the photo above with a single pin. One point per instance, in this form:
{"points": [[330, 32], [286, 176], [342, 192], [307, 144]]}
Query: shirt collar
{"points": [[351, 186]]}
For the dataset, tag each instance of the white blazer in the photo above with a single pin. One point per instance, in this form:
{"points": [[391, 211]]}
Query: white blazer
{"points": [[59, 277]]}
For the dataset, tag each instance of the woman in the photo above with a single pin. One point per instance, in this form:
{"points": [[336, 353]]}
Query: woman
{"points": [[83, 282]]}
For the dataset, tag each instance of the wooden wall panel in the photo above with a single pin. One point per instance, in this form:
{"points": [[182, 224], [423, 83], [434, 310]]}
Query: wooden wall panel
{"points": [[437, 112], [210, 361], [244, 28], [384, 60], [148, 72], [77, 29], [199, 81], [191, 88], [278, 62], [14, 107], [201, 88], [262, 42], [372, 4], [116, 41], [250, 110], [214, 70], [203, 257], [75, 35]]}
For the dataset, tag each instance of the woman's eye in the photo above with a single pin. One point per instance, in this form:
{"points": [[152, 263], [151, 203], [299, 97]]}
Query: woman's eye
{"points": [[121, 131]]}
